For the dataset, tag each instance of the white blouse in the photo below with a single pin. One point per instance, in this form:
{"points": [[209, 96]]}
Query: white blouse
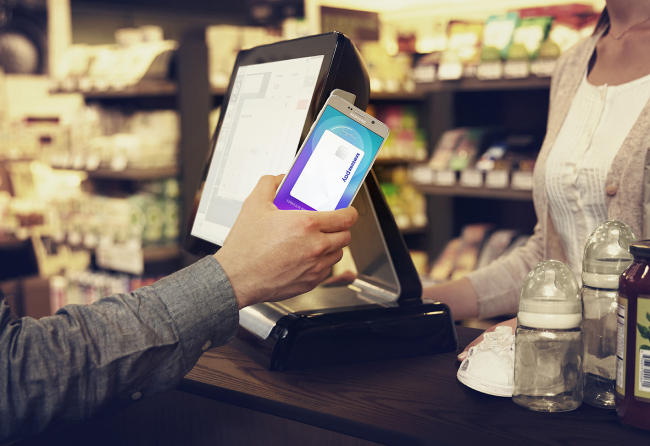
{"points": [[596, 125]]}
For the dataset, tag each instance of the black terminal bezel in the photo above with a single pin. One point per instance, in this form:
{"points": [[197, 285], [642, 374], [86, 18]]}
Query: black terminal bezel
{"points": [[331, 46]]}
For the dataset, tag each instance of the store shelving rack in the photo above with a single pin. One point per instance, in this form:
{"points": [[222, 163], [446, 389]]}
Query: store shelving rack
{"points": [[516, 104]]}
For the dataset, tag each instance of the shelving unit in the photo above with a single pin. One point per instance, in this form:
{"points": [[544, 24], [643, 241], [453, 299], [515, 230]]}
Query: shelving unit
{"points": [[476, 192], [133, 174], [516, 104], [147, 87]]}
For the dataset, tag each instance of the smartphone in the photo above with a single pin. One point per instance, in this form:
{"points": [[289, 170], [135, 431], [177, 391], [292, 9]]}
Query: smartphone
{"points": [[334, 159]]}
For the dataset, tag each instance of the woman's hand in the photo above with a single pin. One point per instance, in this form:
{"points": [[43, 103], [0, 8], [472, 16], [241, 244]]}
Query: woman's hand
{"points": [[509, 323]]}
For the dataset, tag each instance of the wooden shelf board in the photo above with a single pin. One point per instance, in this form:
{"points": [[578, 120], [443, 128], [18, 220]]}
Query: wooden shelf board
{"points": [[474, 84], [478, 192], [160, 253], [393, 161], [397, 96], [218, 91], [144, 88], [132, 174], [414, 230]]}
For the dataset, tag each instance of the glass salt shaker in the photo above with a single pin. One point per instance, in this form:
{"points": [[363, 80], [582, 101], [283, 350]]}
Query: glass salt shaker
{"points": [[606, 256], [548, 344]]}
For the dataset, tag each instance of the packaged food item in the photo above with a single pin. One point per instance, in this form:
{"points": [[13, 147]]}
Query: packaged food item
{"points": [[528, 37], [445, 148], [463, 49], [497, 36], [446, 262], [467, 149], [473, 237], [495, 246]]}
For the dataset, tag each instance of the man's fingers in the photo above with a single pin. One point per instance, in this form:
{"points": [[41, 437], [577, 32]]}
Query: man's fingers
{"points": [[336, 241], [266, 187], [335, 221]]}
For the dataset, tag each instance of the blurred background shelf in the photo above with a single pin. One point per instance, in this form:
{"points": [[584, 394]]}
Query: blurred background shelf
{"points": [[398, 96], [153, 254], [143, 89], [395, 161], [414, 230], [476, 192], [132, 174], [474, 84]]}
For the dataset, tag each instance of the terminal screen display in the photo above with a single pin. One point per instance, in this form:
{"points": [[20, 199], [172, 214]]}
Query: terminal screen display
{"points": [[259, 135]]}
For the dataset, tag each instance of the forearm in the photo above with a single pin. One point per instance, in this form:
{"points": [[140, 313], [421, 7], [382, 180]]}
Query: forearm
{"points": [[107, 355], [459, 295]]}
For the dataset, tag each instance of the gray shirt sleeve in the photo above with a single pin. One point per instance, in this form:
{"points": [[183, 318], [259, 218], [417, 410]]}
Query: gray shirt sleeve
{"points": [[100, 358]]}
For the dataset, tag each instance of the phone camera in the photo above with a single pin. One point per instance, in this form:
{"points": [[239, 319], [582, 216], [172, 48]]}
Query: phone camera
{"points": [[373, 122]]}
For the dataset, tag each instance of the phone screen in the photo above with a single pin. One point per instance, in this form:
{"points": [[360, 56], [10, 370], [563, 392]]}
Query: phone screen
{"points": [[331, 166]]}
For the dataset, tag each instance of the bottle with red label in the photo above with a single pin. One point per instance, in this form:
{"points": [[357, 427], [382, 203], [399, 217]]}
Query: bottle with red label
{"points": [[633, 340]]}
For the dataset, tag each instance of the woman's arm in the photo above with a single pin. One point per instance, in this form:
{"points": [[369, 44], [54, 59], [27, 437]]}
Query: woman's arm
{"points": [[459, 295]]}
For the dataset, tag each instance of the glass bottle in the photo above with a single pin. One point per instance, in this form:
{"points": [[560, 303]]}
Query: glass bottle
{"points": [[548, 344], [606, 256], [633, 340]]}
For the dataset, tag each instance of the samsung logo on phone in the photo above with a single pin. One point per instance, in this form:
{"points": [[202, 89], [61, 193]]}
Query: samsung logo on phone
{"points": [[347, 172], [358, 118]]}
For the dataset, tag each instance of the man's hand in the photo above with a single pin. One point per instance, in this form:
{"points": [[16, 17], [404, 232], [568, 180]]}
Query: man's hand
{"points": [[271, 255]]}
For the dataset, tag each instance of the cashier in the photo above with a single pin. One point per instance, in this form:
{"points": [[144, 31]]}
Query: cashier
{"points": [[97, 359], [594, 164]]}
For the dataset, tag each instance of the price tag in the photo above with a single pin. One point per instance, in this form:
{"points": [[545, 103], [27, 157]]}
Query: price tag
{"points": [[497, 179], [450, 71], [85, 84], [516, 69], [471, 178], [68, 84], [127, 257], [78, 161], [543, 67], [422, 175], [445, 178], [489, 70], [93, 162], [522, 180], [425, 73], [119, 163]]}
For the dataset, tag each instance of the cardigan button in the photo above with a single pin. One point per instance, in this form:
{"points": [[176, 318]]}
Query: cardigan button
{"points": [[611, 190]]}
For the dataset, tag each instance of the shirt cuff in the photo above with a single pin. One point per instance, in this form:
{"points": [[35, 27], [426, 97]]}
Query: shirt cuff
{"points": [[202, 304]]}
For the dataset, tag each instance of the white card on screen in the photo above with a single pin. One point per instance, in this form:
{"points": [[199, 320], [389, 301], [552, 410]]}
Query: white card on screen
{"points": [[327, 173]]}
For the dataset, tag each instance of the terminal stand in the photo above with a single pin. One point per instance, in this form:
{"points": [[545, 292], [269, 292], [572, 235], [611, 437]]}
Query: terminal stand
{"points": [[381, 315]]}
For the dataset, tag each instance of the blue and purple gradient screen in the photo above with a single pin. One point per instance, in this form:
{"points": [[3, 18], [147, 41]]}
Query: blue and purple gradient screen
{"points": [[349, 130]]}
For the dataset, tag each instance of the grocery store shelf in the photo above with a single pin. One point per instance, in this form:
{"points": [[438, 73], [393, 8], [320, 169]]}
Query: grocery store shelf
{"points": [[414, 230], [12, 243], [476, 192], [133, 174], [154, 254], [394, 161], [142, 89], [474, 84], [218, 91], [397, 96]]}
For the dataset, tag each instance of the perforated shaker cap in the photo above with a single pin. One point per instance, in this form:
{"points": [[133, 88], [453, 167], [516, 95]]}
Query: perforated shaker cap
{"points": [[607, 254], [550, 298]]}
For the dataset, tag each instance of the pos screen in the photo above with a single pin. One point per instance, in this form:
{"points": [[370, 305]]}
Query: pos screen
{"points": [[274, 95], [260, 132]]}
